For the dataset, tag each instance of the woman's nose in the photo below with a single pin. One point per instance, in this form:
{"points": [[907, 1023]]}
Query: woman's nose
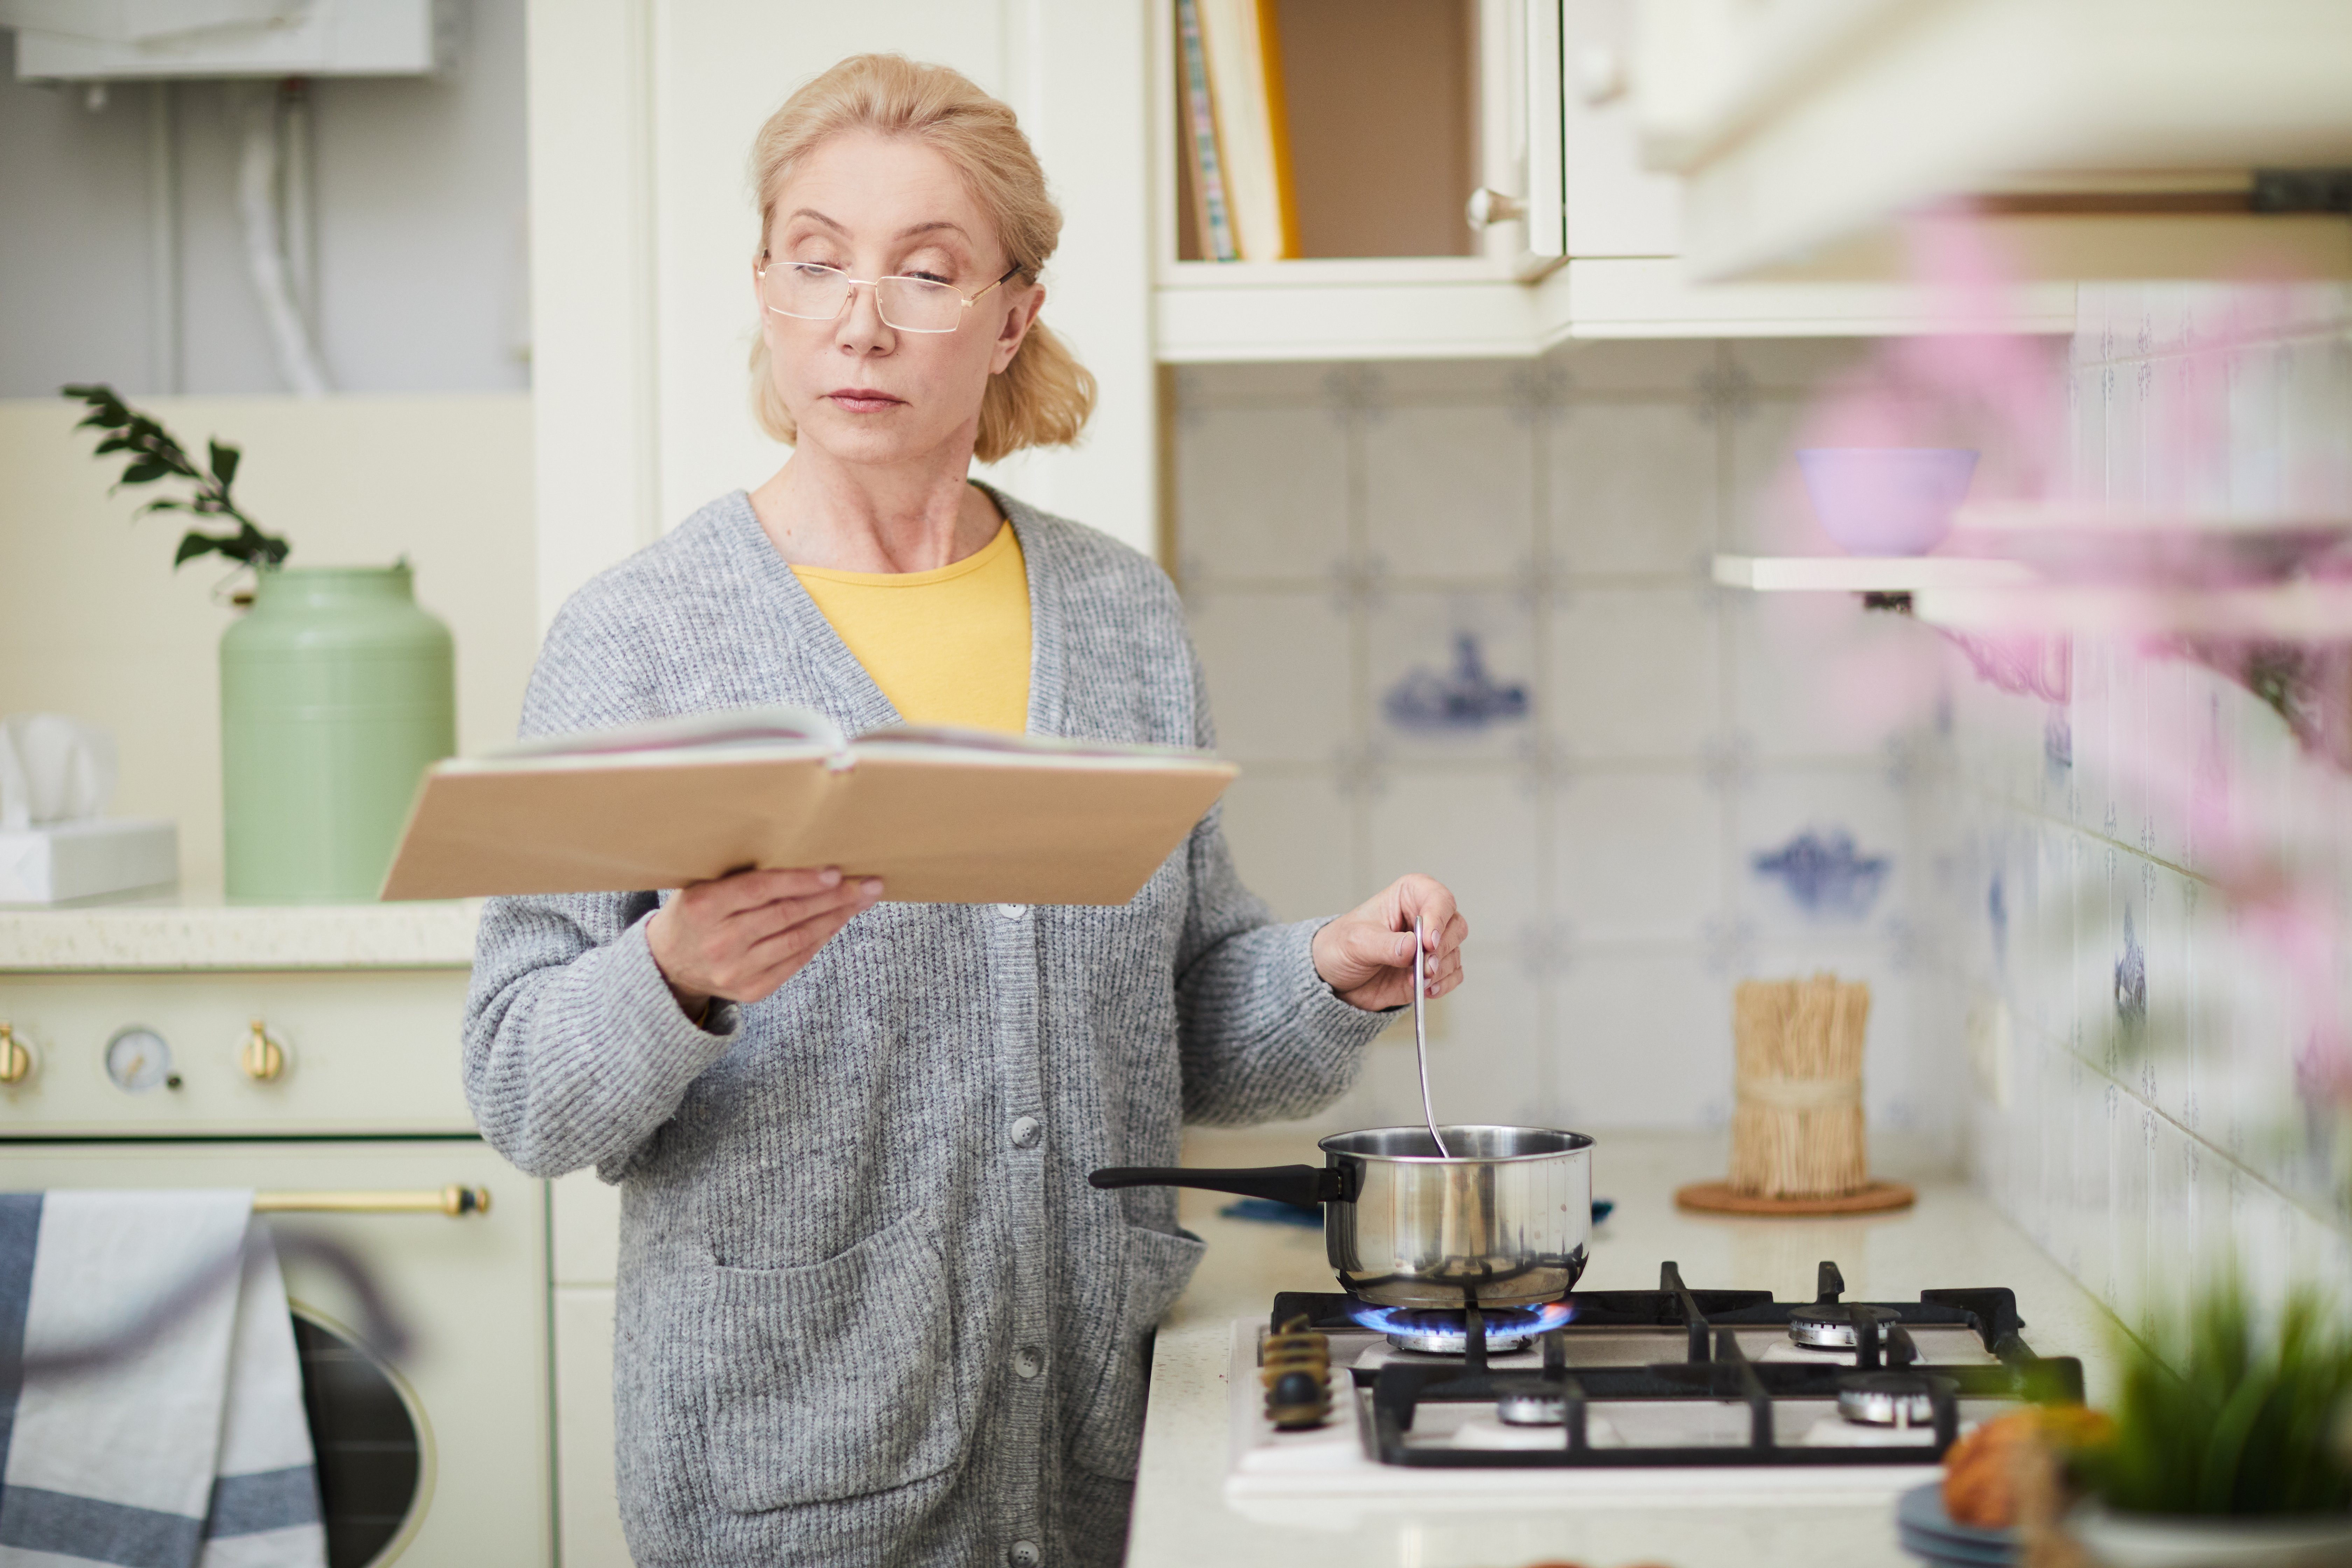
{"points": [[860, 323]]}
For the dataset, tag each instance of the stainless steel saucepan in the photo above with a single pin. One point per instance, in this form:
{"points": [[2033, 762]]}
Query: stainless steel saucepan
{"points": [[1503, 1217]]}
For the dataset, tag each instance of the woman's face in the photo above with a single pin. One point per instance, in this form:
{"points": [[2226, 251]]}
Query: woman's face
{"points": [[876, 207]]}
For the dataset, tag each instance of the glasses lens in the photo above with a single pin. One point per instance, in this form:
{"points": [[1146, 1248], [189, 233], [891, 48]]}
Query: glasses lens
{"points": [[919, 305], [800, 288]]}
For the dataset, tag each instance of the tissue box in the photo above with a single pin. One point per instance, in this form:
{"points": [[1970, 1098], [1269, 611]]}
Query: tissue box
{"points": [[61, 860]]}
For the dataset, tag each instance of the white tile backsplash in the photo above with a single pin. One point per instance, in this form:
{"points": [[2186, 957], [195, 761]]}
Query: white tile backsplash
{"points": [[1451, 673], [1281, 677], [1639, 855], [1261, 492], [1344, 530], [1450, 494], [1634, 488], [1293, 840], [2176, 891], [1635, 672]]}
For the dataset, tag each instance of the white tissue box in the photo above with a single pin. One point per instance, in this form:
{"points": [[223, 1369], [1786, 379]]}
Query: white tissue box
{"points": [[62, 860]]}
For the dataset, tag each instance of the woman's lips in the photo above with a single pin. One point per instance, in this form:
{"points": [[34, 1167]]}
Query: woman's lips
{"points": [[862, 399]]}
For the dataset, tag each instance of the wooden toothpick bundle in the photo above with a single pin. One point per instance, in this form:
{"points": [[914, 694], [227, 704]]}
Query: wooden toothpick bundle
{"points": [[1797, 1129]]}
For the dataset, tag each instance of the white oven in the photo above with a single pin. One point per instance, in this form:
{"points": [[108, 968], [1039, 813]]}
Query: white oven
{"points": [[424, 1333]]}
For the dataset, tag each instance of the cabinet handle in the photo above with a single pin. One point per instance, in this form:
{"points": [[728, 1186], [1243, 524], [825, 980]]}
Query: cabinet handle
{"points": [[1489, 207], [263, 1059], [16, 1056]]}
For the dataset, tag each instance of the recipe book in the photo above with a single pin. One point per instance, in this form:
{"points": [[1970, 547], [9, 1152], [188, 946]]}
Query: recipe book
{"points": [[941, 815]]}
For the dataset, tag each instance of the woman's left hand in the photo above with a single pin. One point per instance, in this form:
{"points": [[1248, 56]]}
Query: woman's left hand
{"points": [[1366, 955]]}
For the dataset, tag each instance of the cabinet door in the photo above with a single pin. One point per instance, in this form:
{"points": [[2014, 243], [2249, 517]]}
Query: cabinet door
{"points": [[1615, 207]]}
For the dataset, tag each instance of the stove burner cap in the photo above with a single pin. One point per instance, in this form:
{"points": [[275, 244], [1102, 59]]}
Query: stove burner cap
{"points": [[1526, 1407], [1886, 1399], [1441, 1330], [1830, 1325]]}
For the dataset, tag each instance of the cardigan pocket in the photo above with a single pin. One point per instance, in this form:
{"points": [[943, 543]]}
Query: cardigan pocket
{"points": [[1156, 1267], [835, 1380]]}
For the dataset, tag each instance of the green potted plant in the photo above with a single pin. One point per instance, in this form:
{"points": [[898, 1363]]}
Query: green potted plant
{"points": [[2232, 1442], [337, 688]]}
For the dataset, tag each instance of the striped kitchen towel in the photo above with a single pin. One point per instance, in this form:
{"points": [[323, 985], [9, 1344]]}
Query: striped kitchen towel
{"points": [[151, 1399]]}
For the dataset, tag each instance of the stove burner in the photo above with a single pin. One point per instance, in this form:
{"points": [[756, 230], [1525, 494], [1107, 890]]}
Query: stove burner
{"points": [[1886, 1399], [1830, 1325], [1441, 1331], [1525, 1408]]}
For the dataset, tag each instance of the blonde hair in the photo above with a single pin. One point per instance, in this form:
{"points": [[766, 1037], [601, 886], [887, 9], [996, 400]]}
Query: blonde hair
{"points": [[1043, 397]]}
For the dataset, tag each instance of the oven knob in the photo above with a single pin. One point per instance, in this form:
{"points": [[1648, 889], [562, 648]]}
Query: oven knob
{"points": [[138, 1060], [263, 1059], [16, 1056]]}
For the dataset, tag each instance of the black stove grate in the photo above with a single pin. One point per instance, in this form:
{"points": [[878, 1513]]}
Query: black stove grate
{"points": [[1714, 1369]]}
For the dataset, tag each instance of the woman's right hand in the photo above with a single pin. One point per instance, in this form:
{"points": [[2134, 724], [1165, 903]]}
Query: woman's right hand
{"points": [[739, 937]]}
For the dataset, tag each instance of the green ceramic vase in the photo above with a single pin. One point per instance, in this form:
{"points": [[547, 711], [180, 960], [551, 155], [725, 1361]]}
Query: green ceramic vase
{"points": [[337, 689]]}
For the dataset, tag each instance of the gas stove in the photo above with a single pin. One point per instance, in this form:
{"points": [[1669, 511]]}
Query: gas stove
{"points": [[1707, 1394]]}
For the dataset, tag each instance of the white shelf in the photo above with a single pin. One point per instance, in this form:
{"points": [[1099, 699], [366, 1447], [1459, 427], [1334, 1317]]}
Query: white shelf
{"points": [[1206, 312], [1870, 573]]}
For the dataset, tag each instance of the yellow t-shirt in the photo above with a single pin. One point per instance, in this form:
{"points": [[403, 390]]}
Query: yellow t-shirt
{"points": [[949, 647]]}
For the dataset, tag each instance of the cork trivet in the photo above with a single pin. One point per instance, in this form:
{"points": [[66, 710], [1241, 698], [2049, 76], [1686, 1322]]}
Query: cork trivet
{"points": [[1717, 1197]]}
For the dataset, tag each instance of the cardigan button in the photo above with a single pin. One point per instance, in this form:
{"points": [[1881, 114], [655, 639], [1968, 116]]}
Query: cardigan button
{"points": [[1025, 1554], [1012, 911], [1027, 1362], [1025, 1130]]}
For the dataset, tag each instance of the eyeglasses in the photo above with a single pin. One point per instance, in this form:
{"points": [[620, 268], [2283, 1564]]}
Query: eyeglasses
{"points": [[811, 292]]}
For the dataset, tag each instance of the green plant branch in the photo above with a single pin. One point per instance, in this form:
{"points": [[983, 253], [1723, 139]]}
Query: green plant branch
{"points": [[155, 455]]}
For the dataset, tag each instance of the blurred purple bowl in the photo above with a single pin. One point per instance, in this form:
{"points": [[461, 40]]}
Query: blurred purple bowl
{"points": [[1886, 501]]}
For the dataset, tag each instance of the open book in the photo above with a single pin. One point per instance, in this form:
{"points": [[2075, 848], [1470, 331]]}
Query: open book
{"points": [[942, 815]]}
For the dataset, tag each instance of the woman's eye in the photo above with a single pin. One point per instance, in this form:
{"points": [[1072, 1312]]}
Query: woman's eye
{"points": [[928, 277], [812, 268]]}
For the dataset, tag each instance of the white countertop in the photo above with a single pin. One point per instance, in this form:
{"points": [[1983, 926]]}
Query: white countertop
{"points": [[198, 933], [1951, 1239]]}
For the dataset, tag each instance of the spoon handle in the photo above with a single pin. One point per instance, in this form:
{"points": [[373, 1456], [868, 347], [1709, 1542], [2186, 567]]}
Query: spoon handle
{"points": [[1421, 1043]]}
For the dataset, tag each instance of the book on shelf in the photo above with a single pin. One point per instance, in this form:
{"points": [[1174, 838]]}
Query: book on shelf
{"points": [[941, 815], [1237, 132]]}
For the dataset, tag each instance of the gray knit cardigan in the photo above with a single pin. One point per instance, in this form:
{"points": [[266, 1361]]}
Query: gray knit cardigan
{"points": [[869, 1309]]}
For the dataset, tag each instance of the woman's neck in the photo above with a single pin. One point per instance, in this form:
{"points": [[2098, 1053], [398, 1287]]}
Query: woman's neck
{"points": [[819, 512]]}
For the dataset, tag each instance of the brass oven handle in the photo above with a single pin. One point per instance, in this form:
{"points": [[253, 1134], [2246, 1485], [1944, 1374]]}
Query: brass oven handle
{"points": [[453, 1201]]}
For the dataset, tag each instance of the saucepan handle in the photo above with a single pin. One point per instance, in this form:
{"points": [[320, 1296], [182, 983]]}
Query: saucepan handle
{"points": [[1304, 1185]]}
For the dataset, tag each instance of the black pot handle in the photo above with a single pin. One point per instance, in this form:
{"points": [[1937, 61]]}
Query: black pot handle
{"points": [[1304, 1185]]}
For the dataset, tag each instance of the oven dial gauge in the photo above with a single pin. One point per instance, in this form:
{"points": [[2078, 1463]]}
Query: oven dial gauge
{"points": [[138, 1060]]}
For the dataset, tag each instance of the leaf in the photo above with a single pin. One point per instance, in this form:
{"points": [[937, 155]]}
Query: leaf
{"points": [[146, 471], [224, 459], [193, 545]]}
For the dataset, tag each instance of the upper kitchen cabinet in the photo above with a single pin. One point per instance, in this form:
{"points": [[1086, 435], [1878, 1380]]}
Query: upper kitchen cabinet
{"points": [[1397, 179], [2095, 138]]}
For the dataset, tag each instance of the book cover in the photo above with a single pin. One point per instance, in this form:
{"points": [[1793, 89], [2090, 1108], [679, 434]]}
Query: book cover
{"points": [[942, 815]]}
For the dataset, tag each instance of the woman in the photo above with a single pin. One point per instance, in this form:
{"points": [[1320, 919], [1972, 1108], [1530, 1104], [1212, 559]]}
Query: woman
{"points": [[869, 1309]]}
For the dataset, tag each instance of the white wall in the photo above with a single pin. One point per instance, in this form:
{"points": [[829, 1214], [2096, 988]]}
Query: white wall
{"points": [[95, 623], [641, 118], [420, 232]]}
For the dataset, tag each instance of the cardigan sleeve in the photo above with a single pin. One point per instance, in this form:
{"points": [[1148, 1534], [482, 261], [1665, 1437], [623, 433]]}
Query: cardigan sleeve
{"points": [[1262, 1037], [575, 1051]]}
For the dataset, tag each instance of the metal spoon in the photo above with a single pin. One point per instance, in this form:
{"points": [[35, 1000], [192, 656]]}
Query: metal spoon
{"points": [[1420, 1044]]}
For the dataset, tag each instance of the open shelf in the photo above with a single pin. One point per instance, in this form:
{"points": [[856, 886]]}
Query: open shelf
{"points": [[1869, 574]]}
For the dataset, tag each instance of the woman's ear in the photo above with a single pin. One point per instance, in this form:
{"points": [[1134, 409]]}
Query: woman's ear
{"points": [[1016, 330]]}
